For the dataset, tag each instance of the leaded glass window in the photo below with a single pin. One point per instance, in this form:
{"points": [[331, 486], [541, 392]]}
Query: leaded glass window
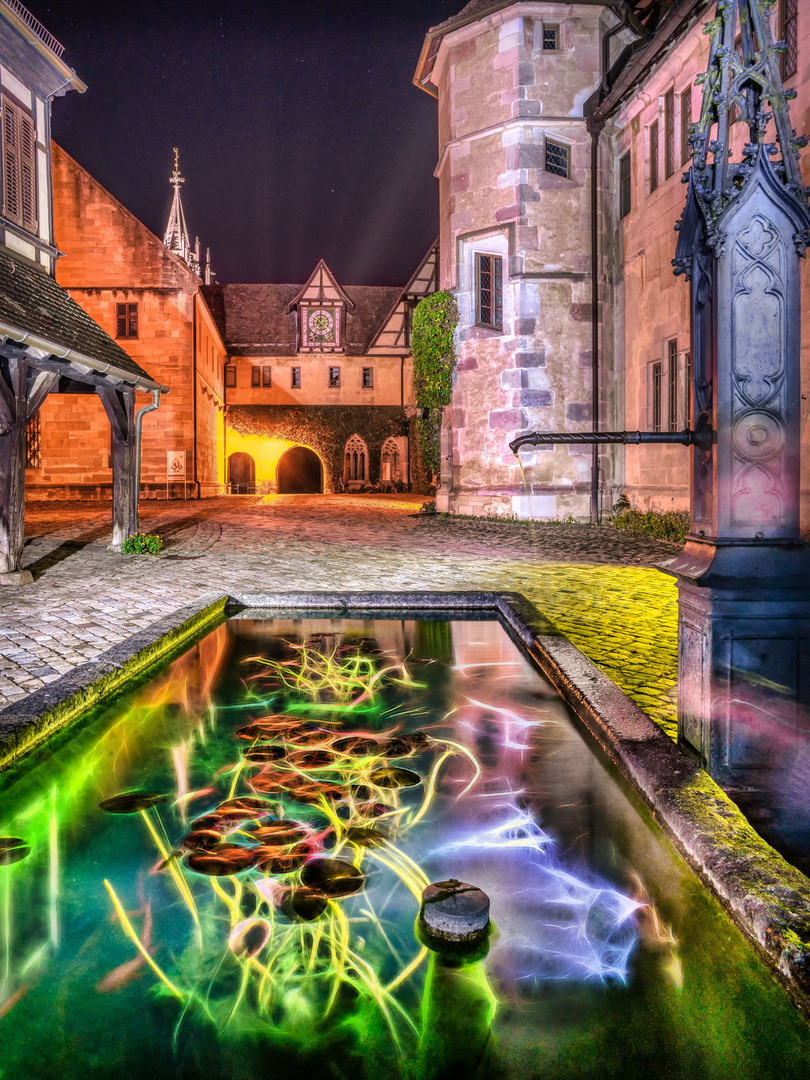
{"points": [[551, 37], [489, 291], [669, 133], [625, 186], [686, 124], [557, 159], [789, 19], [654, 156], [657, 386], [672, 384], [33, 443], [126, 320]]}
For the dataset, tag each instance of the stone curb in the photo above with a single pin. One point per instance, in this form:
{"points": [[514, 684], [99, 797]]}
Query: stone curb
{"points": [[767, 897], [26, 723]]}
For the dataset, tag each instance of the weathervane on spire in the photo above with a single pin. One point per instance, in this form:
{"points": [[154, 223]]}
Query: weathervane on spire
{"points": [[176, 238]]}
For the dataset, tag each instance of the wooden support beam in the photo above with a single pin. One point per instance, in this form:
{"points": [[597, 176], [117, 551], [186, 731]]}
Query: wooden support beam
{"points": [[40, 384], [13, 377], [120, 408]]}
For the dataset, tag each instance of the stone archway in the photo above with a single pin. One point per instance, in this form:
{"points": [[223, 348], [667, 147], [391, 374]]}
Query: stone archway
{"points": [[241, 474], [300, 472]]}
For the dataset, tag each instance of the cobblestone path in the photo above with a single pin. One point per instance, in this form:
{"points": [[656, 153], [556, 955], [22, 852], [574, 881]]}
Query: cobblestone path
{"points": [[597, 584]]}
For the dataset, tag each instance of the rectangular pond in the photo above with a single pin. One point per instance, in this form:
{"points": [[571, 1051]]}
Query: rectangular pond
{"points": [[220, 877]]}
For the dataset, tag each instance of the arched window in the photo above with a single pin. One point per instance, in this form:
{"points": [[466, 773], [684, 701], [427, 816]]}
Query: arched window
{"points": [[391, 471], [354, 462]]}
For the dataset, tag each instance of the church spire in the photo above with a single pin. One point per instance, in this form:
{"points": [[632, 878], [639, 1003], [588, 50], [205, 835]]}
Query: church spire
{"points": [[177, 238]]}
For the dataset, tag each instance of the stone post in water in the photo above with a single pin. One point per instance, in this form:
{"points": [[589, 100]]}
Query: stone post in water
{"points": [[744, 575], [458, 1005]]}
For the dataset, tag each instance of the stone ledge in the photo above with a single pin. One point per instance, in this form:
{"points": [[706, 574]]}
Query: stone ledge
{"points": [[28, 722]]}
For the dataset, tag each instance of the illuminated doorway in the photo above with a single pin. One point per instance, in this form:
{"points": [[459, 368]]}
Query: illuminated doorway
{"points": [[300, 472], [241, 474]]}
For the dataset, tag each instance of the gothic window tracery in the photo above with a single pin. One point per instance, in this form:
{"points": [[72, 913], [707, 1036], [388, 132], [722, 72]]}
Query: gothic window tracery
{"points": [[391, 472], [355, 457]]}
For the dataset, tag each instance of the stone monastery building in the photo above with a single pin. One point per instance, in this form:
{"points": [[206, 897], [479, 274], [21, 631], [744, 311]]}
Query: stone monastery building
{"points": [[563, 136]]}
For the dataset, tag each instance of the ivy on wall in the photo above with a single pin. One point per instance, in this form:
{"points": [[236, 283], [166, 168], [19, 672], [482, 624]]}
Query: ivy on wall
{"points": [[434, 322]]}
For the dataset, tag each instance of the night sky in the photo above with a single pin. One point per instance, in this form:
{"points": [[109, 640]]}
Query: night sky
{"points": [[301, 135]]}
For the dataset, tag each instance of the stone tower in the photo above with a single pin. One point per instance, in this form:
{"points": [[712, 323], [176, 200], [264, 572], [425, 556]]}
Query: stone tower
{"points": [[512, 81]]}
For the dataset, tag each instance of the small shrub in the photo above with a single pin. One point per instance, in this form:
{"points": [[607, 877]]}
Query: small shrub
{"points": [[142, 544], [671, 525]]}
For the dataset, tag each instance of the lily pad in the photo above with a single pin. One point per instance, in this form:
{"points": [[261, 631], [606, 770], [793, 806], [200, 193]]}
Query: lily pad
{"points": [[222, 861], [332, 877], [395, 778], [304, 905], [131, 802], [13, 849]]}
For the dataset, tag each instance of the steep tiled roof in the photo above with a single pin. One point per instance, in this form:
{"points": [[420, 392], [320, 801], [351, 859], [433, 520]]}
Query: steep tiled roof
{"points": [[32, 302], [253, 319]]}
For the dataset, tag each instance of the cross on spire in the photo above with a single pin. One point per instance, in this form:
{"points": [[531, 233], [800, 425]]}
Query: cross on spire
{"points": [[176, 238]]}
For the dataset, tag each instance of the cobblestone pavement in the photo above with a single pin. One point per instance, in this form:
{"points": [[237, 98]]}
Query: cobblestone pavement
{"points": [[596, 583]]}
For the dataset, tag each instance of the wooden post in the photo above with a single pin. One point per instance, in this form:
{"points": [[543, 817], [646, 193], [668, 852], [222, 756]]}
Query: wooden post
{"points": [[22, 391], [13, 418], [120, 408]]}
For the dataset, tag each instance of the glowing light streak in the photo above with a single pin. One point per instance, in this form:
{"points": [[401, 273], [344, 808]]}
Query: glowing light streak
{"points": [[177, 876], [53, 871], [131, 933]]}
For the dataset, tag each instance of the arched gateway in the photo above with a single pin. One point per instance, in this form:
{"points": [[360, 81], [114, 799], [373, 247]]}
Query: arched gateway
{"points": [[300, 472]]}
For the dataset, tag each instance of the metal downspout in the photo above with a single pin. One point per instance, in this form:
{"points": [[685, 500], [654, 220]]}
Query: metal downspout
{"points": [[595, 133], [138, 433]]}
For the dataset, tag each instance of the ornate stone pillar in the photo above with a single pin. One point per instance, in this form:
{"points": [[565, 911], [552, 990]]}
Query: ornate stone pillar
{"points": [[744, 575]]}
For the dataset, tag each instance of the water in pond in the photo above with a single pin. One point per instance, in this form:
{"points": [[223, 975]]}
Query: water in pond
{"points": [[220, 878]]}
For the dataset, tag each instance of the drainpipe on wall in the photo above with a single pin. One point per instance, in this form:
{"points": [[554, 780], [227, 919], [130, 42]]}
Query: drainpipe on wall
{"points": [[225, 422], [595, 133], [138, 434], [194, 384]]}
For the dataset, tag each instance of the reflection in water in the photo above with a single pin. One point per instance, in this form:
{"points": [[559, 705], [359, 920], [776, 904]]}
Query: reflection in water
{"points": [[237, 856]]}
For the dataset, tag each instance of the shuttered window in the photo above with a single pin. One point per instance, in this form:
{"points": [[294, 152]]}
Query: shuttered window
{"points": [[19, 166]]}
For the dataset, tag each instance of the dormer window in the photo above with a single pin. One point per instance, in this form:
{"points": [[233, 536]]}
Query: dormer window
{"points": [[19, 166], [322, 307]]}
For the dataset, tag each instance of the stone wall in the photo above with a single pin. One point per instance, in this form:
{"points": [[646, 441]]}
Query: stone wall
{"points": [[325, 429], [501, 98], [655, 302]]}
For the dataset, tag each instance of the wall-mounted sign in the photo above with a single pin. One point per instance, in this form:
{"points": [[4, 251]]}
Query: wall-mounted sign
{"points": [[175, 464]]}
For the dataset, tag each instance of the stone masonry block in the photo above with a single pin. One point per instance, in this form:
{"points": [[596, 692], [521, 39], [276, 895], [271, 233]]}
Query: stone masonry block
{"points": [[459, 183], [511, 380], [580, 312], [506, 420], [531, 156], [578, 411], [531, 359], [508, 213], [525, 327], [467, 363], [528, 238], [536, 398], [525, 73], [527, 194], [585, 358]]}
